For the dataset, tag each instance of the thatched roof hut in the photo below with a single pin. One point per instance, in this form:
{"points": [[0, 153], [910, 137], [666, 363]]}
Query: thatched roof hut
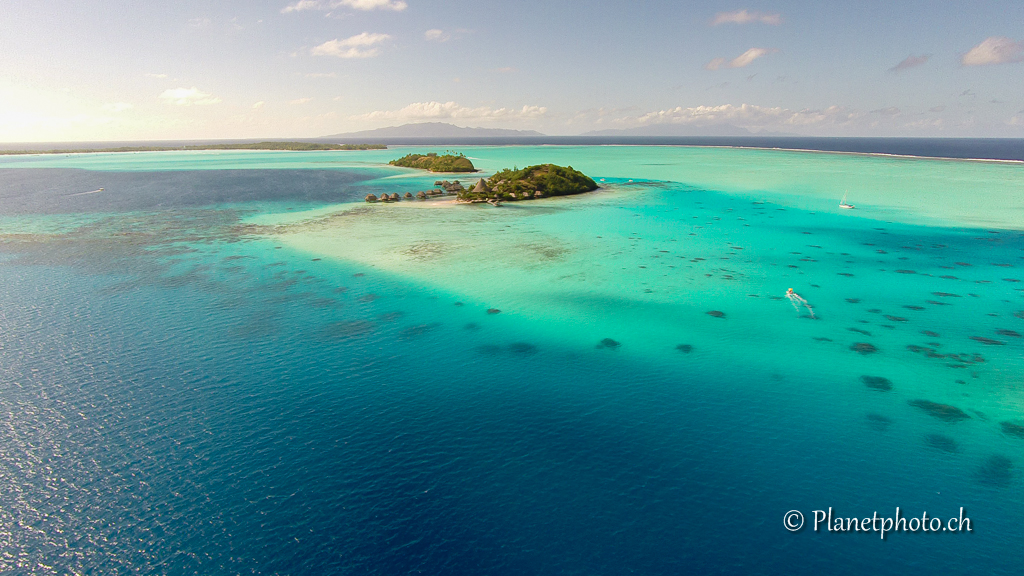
{"points": [[452, 187], [371, 198]]}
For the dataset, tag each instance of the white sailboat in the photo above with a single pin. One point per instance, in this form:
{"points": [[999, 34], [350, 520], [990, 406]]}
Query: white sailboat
{"points": [[843, 204]]}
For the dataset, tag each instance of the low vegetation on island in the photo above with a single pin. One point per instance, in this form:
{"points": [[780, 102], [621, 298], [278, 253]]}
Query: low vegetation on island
{"points": [[538, 181], [435, 163], [296, 146]]}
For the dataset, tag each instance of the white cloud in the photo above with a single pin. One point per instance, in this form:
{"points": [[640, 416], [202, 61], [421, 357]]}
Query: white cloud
{"points": [[994, 50], [722, 113], [715, 64], [117, 107], [156, 75], [599, 116], [740, 61], [365, 5], [199, 22], [437, 35], [396, 5], [303, 5], [745, 17], [925, 124], [831, 120], [321, 75], [300, 101], [188, 97], [353, 47], [748, 57], [452, 110], [910, 62], [745, 115], [258, 105]]}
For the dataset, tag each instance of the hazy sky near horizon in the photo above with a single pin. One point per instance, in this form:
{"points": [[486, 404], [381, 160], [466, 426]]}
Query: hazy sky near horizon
{"points": [[87, 70]]}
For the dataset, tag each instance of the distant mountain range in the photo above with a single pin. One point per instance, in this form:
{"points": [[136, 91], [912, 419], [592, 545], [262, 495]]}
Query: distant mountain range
{"points": [[435, 130]]}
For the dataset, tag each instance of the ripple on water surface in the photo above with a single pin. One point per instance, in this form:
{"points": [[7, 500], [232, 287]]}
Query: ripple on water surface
{"points": [[184, 396]]}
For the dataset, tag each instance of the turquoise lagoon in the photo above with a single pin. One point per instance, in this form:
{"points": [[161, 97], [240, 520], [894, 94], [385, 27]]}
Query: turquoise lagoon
{"points": [[227, 362]]}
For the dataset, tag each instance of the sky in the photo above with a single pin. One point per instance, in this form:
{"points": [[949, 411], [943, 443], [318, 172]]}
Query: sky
{"points": [[109, 70]]}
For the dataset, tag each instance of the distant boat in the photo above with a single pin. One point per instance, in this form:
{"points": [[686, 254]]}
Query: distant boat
{"points": [[843, 204]]}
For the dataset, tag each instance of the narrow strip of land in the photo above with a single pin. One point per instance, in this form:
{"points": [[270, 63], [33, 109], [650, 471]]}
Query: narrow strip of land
{"points": [[297, 146]]}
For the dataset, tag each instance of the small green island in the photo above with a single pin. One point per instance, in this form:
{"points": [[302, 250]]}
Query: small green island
{"points": [[435, 163], [295, 146], [542, 180]]}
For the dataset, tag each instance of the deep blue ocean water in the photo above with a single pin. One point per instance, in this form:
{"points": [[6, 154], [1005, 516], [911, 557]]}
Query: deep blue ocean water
{"points": [[178, 396]]}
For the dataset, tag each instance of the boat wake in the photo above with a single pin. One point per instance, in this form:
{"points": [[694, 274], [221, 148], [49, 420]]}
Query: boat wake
{"points": [[84, 193], [798, 301]]}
